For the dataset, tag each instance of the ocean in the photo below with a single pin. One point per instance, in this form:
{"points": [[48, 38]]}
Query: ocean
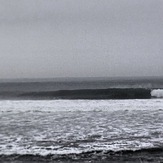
{"points": [[81, 120]]}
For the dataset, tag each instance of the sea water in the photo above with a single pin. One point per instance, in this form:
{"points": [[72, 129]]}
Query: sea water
{"points": [[79, 130]]}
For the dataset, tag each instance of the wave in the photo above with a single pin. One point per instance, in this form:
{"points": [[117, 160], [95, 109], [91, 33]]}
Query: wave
{"points": [[147, 154], [157, 93], [111, 93]]}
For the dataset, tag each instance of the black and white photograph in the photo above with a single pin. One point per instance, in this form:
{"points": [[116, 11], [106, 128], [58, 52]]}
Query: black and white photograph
{"points": [[81, 81]]}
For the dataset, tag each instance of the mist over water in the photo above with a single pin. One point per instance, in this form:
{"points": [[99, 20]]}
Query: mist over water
{"points": [[79, 83]]}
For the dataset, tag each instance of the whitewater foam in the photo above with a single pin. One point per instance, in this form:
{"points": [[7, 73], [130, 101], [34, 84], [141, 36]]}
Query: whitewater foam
{"points": [[158, 93], [75, 126], [78, 105]]}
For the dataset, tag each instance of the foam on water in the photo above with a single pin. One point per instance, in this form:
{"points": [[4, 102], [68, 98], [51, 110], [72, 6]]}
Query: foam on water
{"points": [[157, 93], [76, 126], [78, 105]]}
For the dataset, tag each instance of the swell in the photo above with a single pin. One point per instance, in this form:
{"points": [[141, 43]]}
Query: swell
{"points": [[111, 93], [151, 155]]}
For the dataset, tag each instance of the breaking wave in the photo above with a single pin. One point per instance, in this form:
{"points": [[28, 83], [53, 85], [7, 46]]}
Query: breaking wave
{"points": [[157, 93], [110, 93]]}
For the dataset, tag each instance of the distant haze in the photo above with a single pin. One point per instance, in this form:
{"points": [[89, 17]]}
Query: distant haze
{"points": [[81, 38]]}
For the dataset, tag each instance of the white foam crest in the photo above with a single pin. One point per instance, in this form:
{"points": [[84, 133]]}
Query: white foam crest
{"points": [[79, 105], [157, 93]]}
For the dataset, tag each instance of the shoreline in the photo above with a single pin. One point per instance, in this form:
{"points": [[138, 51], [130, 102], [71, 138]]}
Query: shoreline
{"points": [[142, 155]]}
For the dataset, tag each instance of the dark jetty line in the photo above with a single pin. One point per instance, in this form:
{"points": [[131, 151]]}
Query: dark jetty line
{"points": [[114, 93], [100, 156]]}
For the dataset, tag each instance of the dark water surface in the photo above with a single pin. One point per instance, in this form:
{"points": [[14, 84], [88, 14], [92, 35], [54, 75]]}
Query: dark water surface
{"points": [[84, 88]]}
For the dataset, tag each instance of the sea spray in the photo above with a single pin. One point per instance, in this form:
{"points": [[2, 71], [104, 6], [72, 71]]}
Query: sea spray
{"points": [[157, 93]]}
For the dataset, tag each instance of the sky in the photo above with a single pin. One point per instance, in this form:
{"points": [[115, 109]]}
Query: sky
{"points": [[81, 38]]}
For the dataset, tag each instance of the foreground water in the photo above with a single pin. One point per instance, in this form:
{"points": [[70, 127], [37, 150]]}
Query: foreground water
{"points": [[80, 130]]}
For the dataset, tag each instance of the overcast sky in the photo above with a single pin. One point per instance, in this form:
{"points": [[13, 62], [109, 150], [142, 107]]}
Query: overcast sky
{"points": [[81, 38]]}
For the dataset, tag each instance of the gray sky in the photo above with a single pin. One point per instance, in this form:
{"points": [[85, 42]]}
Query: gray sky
{"points": [[81, 38]]}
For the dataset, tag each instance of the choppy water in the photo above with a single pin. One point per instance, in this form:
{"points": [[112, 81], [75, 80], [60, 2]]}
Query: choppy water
{"points": [[62, 127]]}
